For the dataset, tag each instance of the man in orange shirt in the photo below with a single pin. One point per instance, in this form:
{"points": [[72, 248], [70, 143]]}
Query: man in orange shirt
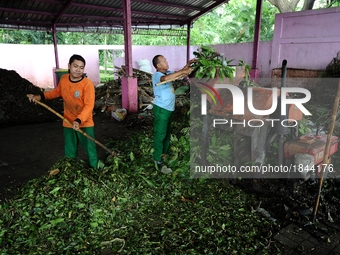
{"points": [[78, 94]]}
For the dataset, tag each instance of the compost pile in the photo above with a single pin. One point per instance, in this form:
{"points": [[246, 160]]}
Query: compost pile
{"points": [[15, 108], [328, 83], [333, 68]]}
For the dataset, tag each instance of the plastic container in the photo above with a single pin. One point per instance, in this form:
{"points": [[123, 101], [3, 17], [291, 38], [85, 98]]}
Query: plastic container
{"points": [[119, 114], [144, 65], [59, 73]]}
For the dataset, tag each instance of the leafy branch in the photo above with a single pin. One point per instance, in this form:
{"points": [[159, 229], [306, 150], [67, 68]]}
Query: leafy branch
{"points": [[211, 64]]}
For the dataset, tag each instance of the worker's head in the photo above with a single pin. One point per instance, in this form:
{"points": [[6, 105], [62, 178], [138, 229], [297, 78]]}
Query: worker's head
{"points": [[76, 67], [77, 57], [160, 63]]}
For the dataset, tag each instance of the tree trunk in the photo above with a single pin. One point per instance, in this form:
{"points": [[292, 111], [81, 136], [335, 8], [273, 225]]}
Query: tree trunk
{"points": [[285, 5], [308, 5]]}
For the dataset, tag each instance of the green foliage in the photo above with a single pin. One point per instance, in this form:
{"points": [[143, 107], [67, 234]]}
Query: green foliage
{"points": [[331, 3], [210, 64], [232, 22], [36, 37], [25, 37], [221, 148], [246, 82], [90, 38], [106, 58], [106, 77], [303, 127], [128, 206], [159, 40]]}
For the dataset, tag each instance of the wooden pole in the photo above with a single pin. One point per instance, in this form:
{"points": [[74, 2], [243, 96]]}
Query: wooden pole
{"points": [[173, 79], [79, 130], [326, 152]]}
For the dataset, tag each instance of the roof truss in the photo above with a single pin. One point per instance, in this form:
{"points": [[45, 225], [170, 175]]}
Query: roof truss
{"points": [[104, 16]]}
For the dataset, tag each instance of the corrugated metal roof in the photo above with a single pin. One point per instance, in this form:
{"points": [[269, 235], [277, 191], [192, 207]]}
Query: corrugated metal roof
{"points": [[100, 15]]}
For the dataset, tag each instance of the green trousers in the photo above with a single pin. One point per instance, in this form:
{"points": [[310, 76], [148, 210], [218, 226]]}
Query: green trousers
{"points": [[71, 138], [161, 131]]}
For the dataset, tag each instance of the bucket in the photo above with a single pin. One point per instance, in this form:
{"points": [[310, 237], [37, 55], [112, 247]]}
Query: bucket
{"points": [[119, 114], [59, 73]]}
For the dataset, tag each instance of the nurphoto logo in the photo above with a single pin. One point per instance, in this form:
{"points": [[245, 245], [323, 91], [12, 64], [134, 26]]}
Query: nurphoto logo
{"points": [[239, 100]]}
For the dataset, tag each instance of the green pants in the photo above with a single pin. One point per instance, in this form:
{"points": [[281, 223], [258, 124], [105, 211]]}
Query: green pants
{"points": [[71, 138], [162, 127]]}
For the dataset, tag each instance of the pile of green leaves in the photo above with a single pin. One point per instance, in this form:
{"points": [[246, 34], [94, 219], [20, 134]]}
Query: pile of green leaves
{"points": [[210, 64], [129, 206]]}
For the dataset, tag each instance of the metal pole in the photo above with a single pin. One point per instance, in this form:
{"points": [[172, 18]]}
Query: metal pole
{"points": [[55, 44], [282, 130], [188, 41], [256, 43]]}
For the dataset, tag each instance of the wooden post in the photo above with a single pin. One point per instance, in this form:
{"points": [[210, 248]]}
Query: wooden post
{"points": [[326, 152]]}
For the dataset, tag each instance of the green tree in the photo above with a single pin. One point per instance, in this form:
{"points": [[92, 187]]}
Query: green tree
{"points": [[89, 38], [229, 23], [298, 5], [330, 3], [290, 6], [158, 40], [24, 37], [234, 23]]}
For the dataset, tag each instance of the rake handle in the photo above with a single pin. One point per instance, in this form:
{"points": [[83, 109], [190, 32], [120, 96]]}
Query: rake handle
{"points": [[79, 130], [173, 79]]}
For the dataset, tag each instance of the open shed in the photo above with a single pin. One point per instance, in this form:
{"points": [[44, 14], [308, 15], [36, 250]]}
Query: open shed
{"points": [[127, 17]]}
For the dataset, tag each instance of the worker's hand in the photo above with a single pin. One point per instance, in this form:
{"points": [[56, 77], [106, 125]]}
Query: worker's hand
{"points": [[189, 70], [32, 98], [186, 70], [75, 125], [190, 62]]}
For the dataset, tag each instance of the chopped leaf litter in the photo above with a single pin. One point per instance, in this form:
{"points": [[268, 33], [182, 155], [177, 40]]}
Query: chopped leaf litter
{"points": [[129, 207]]}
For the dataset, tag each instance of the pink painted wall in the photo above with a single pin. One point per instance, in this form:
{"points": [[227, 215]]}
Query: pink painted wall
{"points": [[32, 62], [244, 51], [307, 40], [175, 55], [36, 62]]}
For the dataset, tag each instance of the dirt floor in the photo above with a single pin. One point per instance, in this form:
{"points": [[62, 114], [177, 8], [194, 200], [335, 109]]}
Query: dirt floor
{"points": [[29, 151]]}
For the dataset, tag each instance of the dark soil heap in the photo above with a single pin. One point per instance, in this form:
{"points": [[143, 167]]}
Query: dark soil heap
{"points": [[15, 107], [333, 68], [325, 91]]}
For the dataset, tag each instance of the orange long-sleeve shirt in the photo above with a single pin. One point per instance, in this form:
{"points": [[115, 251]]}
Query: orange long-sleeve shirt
{"points": [[78, 97]]}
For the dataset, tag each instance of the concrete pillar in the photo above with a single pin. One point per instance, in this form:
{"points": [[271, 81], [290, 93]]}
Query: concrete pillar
{"points": [[129, 83], [130, 94]]}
